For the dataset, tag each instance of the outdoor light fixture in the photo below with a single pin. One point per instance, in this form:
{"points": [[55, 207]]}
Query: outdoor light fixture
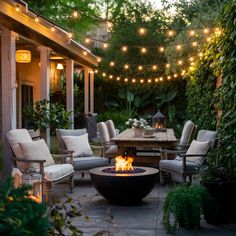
{"points": [[23, 56], [158, 121], [60, 66]]}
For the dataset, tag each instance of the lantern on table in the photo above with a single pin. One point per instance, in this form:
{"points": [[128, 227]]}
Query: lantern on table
{"points": [[35, 180], [158, 121]]}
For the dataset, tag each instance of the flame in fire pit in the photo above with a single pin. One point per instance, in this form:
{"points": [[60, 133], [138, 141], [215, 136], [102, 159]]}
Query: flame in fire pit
{"points": [[123, 163]]}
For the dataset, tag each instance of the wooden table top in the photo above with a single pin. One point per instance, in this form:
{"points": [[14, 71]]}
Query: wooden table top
{"points": [[127, 138]]}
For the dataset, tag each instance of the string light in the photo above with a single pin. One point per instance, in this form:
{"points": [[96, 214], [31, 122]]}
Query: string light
{"points": [[124, 48], [171, 33], [141, 81], [36, 19], [70, 35], [161, 79], [111, 76], [178, 47], [126, 79], [175, 75], [140, 67], [192, 33], [126, 66], [112, 63], [143, 50], [96, 71], [161, 49], [194, 44], [206, 31], [99, 59], [104, 74], [17, 8], [133, 80], [167, 65], [85, 53], [191, 59], [149, 81], [118, 78], [105, 45], [180, 62], [154, 67], [142, 31], [75, 14], [169, 77], [156, 80], [208, 39], [200, 54], [53, 29], [87, 40]]}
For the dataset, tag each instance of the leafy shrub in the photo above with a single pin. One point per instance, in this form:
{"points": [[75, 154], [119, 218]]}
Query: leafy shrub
{"points": [[44, 114], [20, 215], [119, 118], [184, 205]]}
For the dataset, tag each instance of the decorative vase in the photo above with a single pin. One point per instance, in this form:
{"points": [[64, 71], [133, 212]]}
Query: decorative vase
{"points": [[138, 132]]}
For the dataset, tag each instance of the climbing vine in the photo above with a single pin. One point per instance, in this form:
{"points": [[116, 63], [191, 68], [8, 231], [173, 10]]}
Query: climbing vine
{"points": [[209, 104]]}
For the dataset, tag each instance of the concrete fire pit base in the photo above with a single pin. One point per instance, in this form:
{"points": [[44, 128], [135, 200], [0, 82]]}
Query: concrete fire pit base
{"points": [[124, 189]]}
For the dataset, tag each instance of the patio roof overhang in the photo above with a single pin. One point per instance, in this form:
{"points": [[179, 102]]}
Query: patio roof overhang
{"points": [[24, 24]]}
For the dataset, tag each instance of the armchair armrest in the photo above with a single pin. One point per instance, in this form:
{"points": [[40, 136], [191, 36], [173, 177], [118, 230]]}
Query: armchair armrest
{"points": [[40, 162], [184, 156], [64, 156], [94, 147]]}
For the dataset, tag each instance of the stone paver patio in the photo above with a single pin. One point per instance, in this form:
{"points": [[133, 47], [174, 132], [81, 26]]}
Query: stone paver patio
{"points": [[144, 219]]}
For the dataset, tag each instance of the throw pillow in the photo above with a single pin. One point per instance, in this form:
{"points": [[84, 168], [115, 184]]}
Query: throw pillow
{"points": [[37, 150], [200, 148], [78, 144]]}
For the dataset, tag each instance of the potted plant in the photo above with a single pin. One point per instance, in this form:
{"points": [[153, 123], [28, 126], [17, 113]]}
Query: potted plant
{"points": [[220, 180], [184, 206], [137, 125]]}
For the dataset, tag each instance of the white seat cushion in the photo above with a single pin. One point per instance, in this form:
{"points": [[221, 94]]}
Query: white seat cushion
{"points": [[78, 144], [58, 171], [37, 150], [200, 148]]}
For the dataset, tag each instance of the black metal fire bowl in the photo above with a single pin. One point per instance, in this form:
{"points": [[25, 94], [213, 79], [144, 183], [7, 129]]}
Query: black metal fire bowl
{"points": [[124, 189]]}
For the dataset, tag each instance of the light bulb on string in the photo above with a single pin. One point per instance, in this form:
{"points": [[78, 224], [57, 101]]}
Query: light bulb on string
{"points": [[140, 67], [192, 33], [36, 19], [194, 44], [96, 71], [200, 54], [208, 39], [133, 80], [161, 49], [75, 14], [105, 45], [143, 50], [171, 33], [161, 79], [104, 74], [168, 77], [126, 66], [206, 31], [154, 67], [141, 81], [191, 59], [53, 29], [70, 35], [112, 63], [142, 31], [17, 8], [87, 40], [99, 59], [178, 47], [167, 65], [175, 75], [85, 53], [149, 81], [124, 48], [126, 79], [118, 78], [111, 76], [180, 62], [156, 80]]}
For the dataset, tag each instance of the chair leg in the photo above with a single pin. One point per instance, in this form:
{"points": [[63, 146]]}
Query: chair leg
{"points": [[72, 183], [162, 178], [190, 178]]}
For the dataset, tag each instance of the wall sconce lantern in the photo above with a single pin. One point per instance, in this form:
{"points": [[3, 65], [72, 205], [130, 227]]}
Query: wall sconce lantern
{"points": [[23, 56], [60, 66], [158, 121]]}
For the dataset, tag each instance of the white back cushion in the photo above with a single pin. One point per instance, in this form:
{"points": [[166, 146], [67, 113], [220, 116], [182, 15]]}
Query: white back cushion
{"points": [[104, 134], [78, 144], [200, 148], [186, 133], [37, 150], [207, 135], [111, 128]]}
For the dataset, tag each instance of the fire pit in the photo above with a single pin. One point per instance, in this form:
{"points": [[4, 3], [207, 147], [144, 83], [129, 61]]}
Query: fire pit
{"points": [[124, 184]]}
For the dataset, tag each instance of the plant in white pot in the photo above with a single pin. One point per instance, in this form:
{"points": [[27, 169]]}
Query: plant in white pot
{"points": [[138, 126]]}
